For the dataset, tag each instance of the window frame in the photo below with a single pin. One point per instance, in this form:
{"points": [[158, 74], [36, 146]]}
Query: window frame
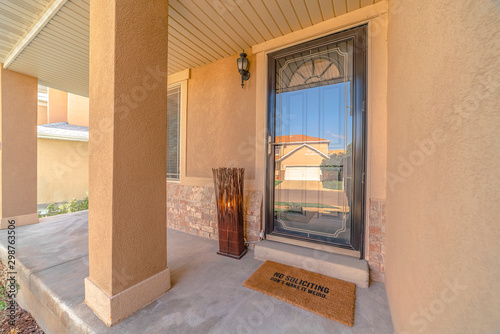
{"points": [[180, 132]]}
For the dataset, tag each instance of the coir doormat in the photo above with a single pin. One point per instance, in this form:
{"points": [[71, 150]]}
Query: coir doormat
{"points": [[326, 296]]}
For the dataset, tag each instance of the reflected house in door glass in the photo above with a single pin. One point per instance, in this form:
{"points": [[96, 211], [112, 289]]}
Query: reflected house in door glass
{"points": [[303, 204], [299, 157]]}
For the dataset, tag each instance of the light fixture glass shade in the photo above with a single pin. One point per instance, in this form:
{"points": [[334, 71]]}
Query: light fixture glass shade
{"points": [[243, 68], [243, 62]]}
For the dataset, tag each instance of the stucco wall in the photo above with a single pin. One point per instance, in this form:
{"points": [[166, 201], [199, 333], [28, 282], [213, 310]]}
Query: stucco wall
{"points": [[42, 114], [78, 110], [221, 126], [57, 106], [376, 153], [63, 170], [443, 231], [18, 117]]}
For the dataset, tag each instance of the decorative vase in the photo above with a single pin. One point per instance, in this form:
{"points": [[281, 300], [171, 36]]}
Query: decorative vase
{"points": [[228, 184]]}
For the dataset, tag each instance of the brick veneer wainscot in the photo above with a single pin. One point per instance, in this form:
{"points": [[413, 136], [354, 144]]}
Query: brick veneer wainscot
{"points": [[192, 209], [376, 259]]}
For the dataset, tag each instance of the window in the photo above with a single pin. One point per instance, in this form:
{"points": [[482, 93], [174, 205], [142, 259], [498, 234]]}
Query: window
{"points": [[173, 133]]}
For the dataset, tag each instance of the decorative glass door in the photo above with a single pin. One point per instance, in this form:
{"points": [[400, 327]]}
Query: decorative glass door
{"points": [[316, 140]]}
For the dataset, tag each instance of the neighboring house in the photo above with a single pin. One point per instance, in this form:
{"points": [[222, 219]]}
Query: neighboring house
{"points": [[63, 162], [299, 157], [62, 137], [56, 106]]}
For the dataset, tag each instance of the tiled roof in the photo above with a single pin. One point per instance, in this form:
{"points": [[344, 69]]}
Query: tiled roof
{"points": [[63, 131], [298, 139]]}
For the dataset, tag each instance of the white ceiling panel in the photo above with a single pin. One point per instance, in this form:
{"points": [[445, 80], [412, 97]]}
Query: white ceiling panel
{"points": [[17, 17]]}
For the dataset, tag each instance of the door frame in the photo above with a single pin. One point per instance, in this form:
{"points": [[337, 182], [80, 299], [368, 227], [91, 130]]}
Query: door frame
{"points": [[359, 35]]}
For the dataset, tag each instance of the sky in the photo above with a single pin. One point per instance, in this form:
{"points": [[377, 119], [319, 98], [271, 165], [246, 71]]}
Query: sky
{"points": [[317, 112]]}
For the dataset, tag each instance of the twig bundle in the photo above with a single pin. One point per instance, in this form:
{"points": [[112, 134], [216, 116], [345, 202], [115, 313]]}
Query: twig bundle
{"points": [[228, 184]]}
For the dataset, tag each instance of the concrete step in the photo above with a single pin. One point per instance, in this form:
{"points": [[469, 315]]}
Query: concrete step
{"points": [[338, 266]]}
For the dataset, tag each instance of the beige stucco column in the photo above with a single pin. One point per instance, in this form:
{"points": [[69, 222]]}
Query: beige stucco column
{"points": [[127, 164], [18, 126]]}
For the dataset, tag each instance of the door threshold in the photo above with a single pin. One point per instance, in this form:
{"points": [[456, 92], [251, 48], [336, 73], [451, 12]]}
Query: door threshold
{"points": [[339, 266], [314, 245]]}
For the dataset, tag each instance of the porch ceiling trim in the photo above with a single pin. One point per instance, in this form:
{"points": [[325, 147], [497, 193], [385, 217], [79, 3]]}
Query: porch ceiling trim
{"points": [[179, 76], [35, 29]]}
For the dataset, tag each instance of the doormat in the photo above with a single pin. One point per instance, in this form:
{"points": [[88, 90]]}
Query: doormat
{"points": [[330, 297]]}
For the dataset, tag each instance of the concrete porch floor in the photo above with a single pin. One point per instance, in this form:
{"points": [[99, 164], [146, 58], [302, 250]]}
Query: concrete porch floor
{"points": [[207, 295]]}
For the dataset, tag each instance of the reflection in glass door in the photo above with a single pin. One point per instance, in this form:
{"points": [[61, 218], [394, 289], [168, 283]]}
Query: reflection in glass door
{"points": [[316, 158]]}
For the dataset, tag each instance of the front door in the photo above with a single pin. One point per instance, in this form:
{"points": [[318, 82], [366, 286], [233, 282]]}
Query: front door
{"points": [[316, 149]]}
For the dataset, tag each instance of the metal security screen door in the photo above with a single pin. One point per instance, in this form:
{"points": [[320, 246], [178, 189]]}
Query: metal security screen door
{"points": [[316, 150]]}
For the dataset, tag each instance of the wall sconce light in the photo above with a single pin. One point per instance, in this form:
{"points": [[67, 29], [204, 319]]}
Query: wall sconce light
{"points": [[243, 68]]}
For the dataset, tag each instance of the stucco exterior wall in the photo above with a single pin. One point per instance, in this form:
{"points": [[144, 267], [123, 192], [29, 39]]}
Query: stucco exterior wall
{"points": [[78, 110], [18, 113], [221, 126], [442, 211], [376, 146], [63, 170], [57, 106], [42, 114]]}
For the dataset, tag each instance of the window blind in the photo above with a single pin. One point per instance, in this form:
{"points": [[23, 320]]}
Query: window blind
{"points": [[173, 133]]}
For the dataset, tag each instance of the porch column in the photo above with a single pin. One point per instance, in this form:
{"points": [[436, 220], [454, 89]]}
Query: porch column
{"points": [[18, 148], [127, 164]]}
